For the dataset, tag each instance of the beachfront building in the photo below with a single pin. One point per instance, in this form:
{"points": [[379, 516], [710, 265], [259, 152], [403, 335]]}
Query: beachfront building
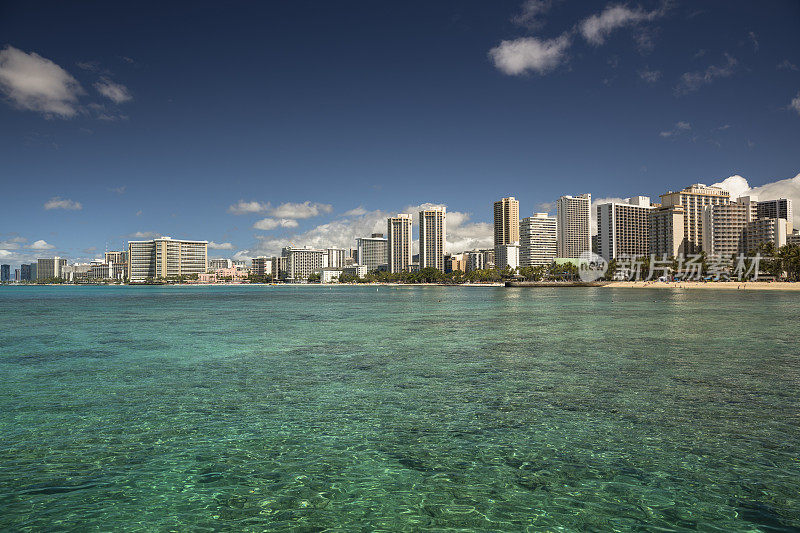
{"points": [[776, 209], [724, 226], [694, 199], [432, 237], [372, 251], [573, 214], [765, 230], [358, 271], [218, 263], [5, 272], [261, 266], [399, 242], [793, 238], [49, 268], [667, 233], [455, 262], [507, 255], [117, 262], [538, 240], [623, 228], [166, 258], [302, 262], [336, 257], [330, 274]]}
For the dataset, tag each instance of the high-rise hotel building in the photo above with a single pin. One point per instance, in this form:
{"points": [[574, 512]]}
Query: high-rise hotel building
{"points": [[694, 199], [399, 242], [780, 208], [623, 229], [506, 229], [538, 242], [667, 234], [372, 252], [506, 221], [573, 219], [432, 235], [739, 227], [166, 258], [302, 262]]}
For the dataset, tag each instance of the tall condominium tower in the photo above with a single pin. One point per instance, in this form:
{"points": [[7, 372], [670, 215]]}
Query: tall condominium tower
{"points": [[432, 234], [537, 240], [780, 208], [694, 199], [399, 242], [371, 252], [666, 231], [50, 267], [166, 258], [506, 221], [623, 229], [573, 214]]}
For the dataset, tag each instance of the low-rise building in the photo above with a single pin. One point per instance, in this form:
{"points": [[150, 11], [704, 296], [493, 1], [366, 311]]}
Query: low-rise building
{"points": [[507, 255], [330, 274]]}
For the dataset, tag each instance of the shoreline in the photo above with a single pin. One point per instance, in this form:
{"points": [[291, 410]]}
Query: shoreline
{"points": [[713, 285]]}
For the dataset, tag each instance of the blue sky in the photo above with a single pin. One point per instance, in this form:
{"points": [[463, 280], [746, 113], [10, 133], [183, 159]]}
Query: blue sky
{"points": [[254, 125]]}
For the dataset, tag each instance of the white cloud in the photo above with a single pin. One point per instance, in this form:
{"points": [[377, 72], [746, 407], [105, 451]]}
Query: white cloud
{"points": [[795, 103], [37, 84], [243, 255], [145, 235], [650, 76], [358, 211], [244, 208], [62, 203], [116, 92], [787, 65], [12, 243], [266, 224], [596, 28], [531, 12], [40, 245], [679, 128], [300, 210], [787, 188], [693, 81], [529, 54], [220, 245]]}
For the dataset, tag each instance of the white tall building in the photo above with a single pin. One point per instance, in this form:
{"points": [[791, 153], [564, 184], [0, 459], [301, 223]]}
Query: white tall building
{"points": [[667, 233], [166, 258], [432, 236], [507, 255], [302, 262], [336, 257], [538, 243], [623, 229], [399, 242], [573, 219], [372, 251]]}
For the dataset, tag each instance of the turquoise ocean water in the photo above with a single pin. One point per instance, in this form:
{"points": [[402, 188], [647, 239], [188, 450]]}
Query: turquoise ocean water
{"points": [[347, 408]]}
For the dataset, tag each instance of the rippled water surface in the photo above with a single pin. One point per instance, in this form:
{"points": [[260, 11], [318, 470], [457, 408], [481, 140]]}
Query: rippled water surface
{"points": [[267, 408]]}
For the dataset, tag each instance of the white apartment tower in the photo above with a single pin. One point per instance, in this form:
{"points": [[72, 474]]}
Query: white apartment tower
{"points": [[623, 229], [399, 242], [573, 219], [538, 240], [432, 236]]}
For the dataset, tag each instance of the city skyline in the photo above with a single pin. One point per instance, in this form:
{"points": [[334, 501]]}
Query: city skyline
{"points": [[238, 145]]}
